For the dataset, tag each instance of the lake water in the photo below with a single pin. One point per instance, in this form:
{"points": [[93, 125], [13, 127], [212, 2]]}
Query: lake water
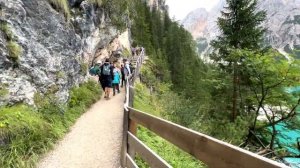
{"points": [[288, 137]]}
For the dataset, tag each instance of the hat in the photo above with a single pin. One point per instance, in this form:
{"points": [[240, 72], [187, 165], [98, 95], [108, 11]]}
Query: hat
{"points": [[99, 62]]}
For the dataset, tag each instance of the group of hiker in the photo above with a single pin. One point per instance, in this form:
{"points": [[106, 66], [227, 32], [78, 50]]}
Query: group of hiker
{"points": [[112, 75]]}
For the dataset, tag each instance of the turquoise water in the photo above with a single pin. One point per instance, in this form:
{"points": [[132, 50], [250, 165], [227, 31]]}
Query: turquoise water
{"points": [[288, 137], [294, 162]]}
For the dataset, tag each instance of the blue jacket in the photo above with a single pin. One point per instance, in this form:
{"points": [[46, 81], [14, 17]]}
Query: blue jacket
{"points": [[117, 76]]}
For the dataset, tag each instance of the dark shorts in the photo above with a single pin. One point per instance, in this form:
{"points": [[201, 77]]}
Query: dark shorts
{"points": [[107, 83]]}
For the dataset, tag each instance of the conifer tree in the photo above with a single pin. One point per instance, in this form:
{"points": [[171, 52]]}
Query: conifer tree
{"points": [[240, 29]]}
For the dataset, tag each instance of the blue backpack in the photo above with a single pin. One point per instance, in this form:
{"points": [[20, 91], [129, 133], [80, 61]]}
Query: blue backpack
{"points": [[94, 70], [106, 70]]}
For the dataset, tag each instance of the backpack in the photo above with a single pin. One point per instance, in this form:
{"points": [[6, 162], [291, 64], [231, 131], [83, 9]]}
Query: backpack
{"points": [[106, 70], [92, 71]]}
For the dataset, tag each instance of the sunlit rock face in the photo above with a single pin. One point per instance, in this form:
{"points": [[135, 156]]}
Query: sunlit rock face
{"points": [[282, 23], [55, 52]]}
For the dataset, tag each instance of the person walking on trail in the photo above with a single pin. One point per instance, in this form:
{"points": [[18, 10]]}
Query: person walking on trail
{"points": [[127, 72], [132, 68], [96, 70], [122, 75], [107, 76], [116, 81]]}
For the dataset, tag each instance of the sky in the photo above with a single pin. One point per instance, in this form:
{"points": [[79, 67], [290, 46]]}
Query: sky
{"points": [[180, 8]]}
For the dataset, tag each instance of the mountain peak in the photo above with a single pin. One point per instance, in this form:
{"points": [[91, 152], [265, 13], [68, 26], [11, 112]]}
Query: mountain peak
{"points": [[282, 23], [196, 22]]}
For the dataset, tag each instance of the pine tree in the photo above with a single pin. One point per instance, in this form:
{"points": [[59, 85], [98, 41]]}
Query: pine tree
{"points": [[240, 29]]}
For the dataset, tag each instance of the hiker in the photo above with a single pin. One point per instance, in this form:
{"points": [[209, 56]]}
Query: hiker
{"points": [[127, 72], [132, 68], [122, 75], [116, 80], [107, 76], [95, 70], [133, 51]]}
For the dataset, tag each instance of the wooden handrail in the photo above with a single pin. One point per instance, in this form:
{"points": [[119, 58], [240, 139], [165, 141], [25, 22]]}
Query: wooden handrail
{"points": [[214, 153]]}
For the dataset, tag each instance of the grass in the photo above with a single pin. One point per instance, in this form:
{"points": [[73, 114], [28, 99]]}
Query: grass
{"points": [[26, 133], [172, 154], [97, 2], [62, 5]]}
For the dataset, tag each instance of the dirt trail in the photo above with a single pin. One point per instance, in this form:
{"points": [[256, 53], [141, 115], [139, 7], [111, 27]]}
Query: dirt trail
{"points": [[94, 141]]}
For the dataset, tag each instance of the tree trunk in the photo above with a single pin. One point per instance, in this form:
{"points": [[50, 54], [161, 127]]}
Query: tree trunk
{"points": [[235, 94], [273, 137]]}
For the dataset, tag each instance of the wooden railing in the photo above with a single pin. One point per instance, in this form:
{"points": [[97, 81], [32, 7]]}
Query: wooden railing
{"points": [[214, 153]]}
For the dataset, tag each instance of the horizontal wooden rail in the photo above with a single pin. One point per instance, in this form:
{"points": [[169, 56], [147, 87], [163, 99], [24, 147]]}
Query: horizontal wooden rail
{"points": [[213, 152], [130, 162], [146, 153]]}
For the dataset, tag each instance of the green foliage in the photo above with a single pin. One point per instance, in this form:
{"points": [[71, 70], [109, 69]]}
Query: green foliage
{"points": [[155, 105], [13, 47], [85, 94], [83, 68], [126, 53], [240, 29], [170, 153], [6, 29], [97, 2], [62, 5], [14, 50], [26, 133]]}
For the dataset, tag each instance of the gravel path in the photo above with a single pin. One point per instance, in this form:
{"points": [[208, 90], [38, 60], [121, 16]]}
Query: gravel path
{"points": [[94, 141]]}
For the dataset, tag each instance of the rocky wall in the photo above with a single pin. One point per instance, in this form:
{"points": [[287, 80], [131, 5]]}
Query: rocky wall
{"points": [[52, 51]]}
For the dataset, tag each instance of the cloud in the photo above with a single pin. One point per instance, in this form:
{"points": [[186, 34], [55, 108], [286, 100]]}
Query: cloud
{"points": [[180, 8]]}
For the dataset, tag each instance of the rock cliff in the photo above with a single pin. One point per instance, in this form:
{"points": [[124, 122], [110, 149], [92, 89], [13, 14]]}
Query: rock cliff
{"points": [[282, 23], [41, 49]]}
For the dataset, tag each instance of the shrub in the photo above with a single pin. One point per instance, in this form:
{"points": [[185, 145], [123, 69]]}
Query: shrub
{"points": [[83, 68], [14, 51], [6, 30], [126, 53], [85, 94]]}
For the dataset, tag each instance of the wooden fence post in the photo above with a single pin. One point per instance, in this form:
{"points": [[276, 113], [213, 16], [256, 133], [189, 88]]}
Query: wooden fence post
{"points": [[125, 138], [132, 125]]}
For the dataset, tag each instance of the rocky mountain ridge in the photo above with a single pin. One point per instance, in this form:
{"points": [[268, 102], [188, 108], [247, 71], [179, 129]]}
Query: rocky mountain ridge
{"points": [[282, 23], [41, 50]]}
